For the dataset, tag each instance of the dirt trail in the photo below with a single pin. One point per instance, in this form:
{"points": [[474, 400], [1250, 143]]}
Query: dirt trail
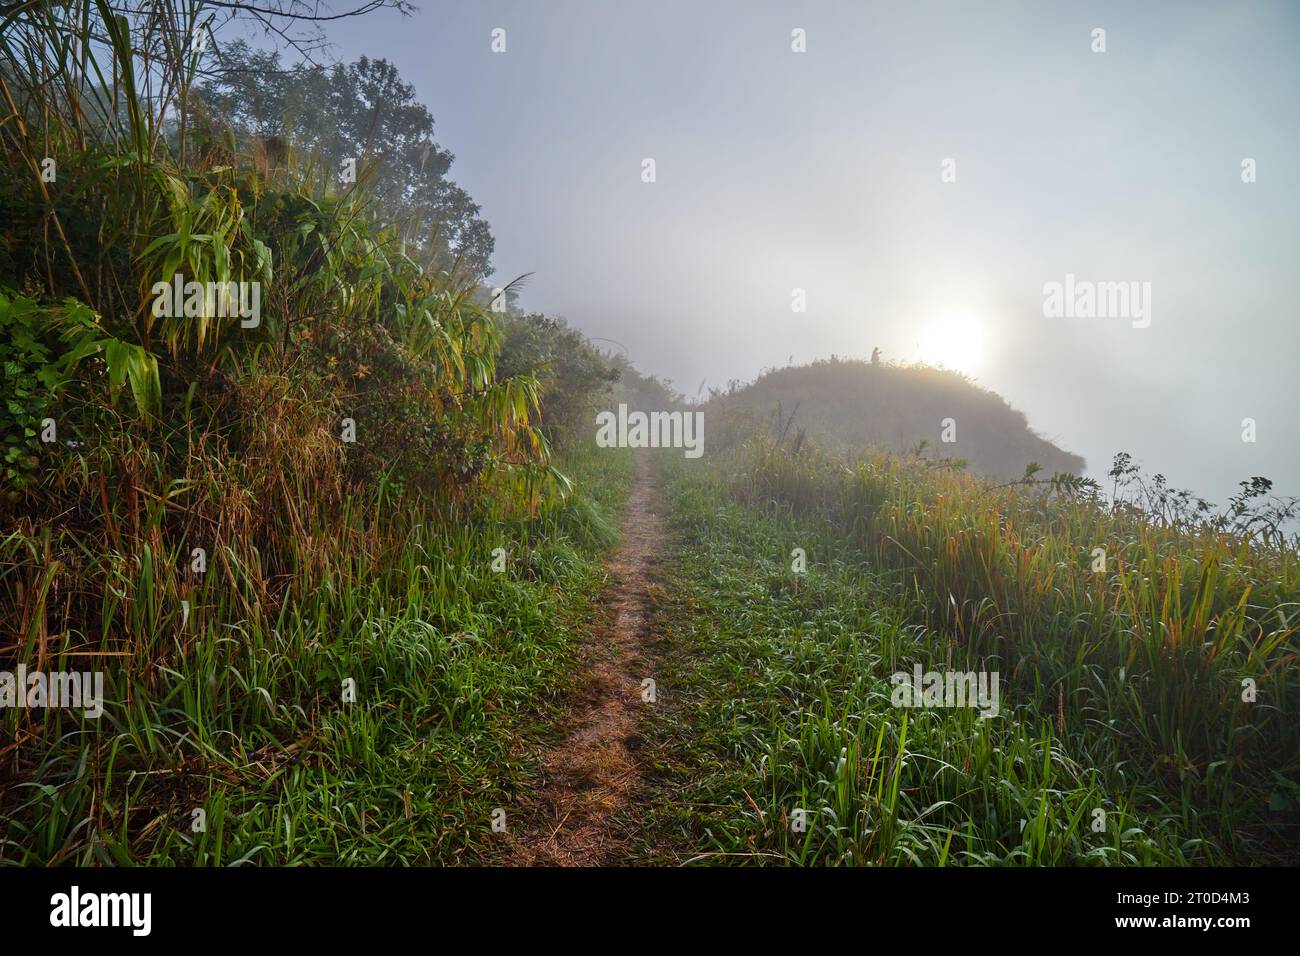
{"points": [[589, 778]]}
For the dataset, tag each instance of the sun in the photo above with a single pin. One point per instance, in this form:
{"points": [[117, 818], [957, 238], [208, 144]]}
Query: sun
{"points": [[957, 341]]}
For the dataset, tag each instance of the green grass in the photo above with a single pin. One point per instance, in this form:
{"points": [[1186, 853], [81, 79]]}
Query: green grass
{"points": [[349, 462], [456, 668], [777, 698]]}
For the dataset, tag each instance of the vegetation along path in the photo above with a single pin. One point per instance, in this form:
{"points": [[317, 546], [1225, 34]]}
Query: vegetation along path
{"points": [[589, 778]]}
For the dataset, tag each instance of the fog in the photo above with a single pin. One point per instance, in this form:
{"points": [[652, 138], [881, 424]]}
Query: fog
{"points": [[824, 171]]}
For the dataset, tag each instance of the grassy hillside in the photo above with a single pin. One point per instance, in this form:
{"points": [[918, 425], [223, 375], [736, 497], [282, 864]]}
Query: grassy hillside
{"points": [[1146, 708], [342, 564], [315, 550], [853, 404]]}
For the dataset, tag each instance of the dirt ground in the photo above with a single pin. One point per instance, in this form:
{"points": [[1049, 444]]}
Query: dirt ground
{"points": [[589, 778]]}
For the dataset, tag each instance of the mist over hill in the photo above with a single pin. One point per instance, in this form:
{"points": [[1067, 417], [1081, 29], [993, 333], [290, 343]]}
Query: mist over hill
{"points": [[849, 403]]}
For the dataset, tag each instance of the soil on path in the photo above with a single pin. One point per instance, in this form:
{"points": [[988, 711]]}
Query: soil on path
{"points": [[592, 776]]}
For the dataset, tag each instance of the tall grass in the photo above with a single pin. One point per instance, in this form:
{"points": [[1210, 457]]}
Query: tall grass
{"points": [[779, 699], [324, 560], [237, 711], [1146, 666]]}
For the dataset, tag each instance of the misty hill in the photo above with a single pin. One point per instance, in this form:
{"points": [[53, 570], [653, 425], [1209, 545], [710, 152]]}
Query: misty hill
{"points": [[854, 404]]}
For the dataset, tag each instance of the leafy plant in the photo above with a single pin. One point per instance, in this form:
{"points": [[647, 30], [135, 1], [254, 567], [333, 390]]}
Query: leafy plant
{"points": [[31, 376]]}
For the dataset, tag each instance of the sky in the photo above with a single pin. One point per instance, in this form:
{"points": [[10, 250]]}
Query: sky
{"points": [[824, 171]]}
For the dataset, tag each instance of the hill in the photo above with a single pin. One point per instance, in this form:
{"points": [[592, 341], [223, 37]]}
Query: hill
{"points": [[849, 403]]}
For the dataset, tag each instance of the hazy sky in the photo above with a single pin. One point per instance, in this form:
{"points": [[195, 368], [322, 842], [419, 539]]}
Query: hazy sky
{"points": [[822, 171]]}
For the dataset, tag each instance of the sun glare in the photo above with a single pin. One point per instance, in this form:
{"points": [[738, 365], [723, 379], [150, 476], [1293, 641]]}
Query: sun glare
{"points": [[956, 341]]}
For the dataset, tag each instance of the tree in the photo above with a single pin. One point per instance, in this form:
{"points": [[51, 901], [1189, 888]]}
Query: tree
{"points": [[574, 376], [361, 111]]}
